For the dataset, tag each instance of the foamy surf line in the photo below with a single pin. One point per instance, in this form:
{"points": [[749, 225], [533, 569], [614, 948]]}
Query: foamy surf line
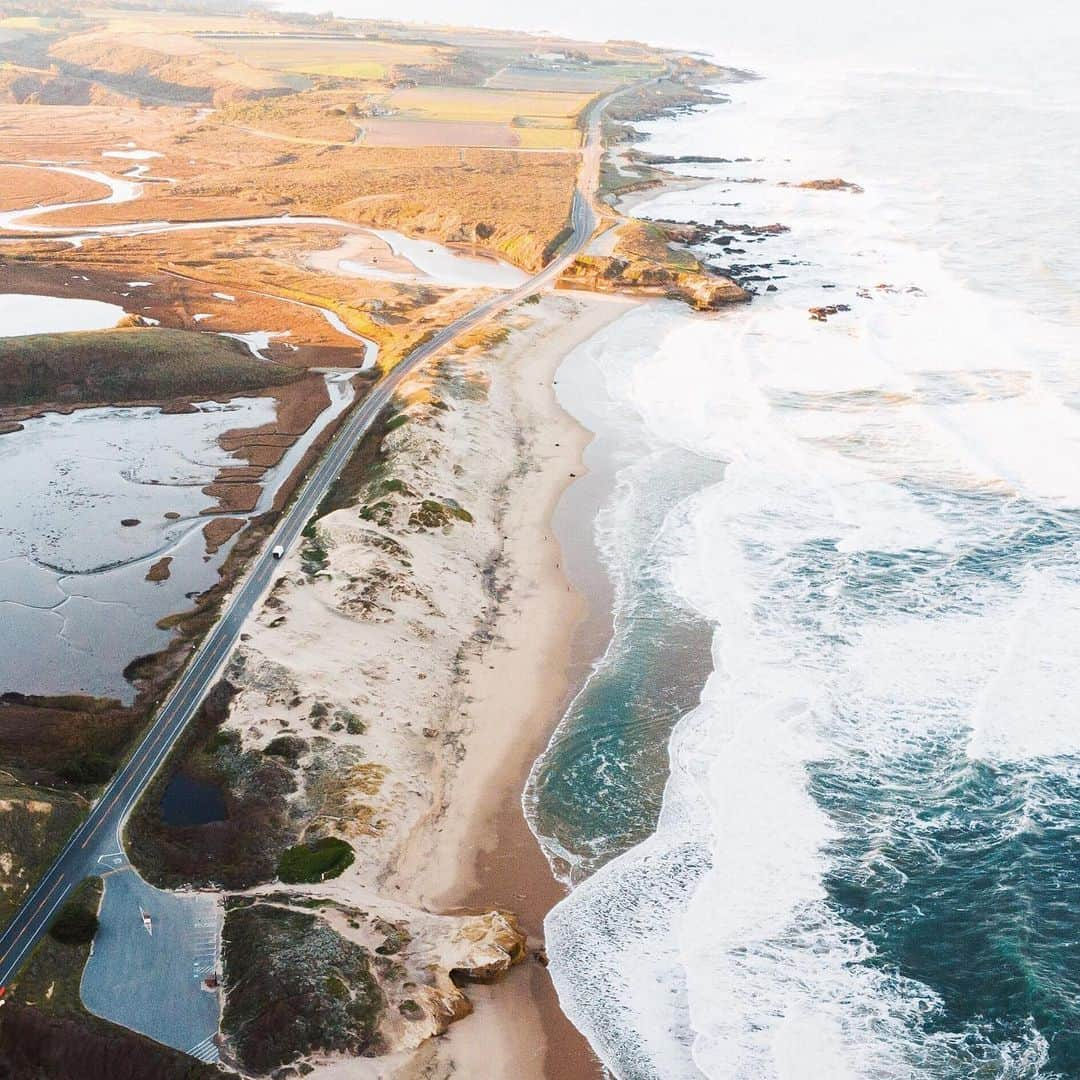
{"points": [[889, 561]]}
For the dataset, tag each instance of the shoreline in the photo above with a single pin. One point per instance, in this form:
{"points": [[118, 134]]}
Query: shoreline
{"points": [[486, 853], [455, 631]]}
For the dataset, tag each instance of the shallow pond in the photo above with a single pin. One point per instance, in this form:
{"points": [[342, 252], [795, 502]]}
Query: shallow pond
{"points": [[189, 801], [24, 313], [92, 501], [75, 605]]}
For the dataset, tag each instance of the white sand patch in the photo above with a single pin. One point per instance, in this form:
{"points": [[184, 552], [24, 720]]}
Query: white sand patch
{"points": [[414, 638]]}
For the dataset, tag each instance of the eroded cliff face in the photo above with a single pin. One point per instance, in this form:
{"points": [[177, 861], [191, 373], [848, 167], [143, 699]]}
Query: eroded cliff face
{"points": [[308, 983]]}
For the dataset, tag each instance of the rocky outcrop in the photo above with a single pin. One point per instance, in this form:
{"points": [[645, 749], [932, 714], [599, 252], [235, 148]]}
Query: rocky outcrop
{"points": [[700, 288], [835, 184], [821, 314], [306, 985], [490, 945]]}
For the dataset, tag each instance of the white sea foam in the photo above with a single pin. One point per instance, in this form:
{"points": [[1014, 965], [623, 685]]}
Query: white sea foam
{"points": [[937, 423]]}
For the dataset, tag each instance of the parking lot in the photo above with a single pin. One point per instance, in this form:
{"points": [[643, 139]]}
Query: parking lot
{"points": [[154, 982]]}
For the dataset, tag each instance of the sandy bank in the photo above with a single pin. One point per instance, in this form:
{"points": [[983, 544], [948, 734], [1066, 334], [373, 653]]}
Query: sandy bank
{"points": [[364, 250], [415, 653], [476, 849]]}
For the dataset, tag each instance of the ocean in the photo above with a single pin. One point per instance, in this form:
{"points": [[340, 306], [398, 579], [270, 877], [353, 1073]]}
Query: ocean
{"points": [[819, 800]]}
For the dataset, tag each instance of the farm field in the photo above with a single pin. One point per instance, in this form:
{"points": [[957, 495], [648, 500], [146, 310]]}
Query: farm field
{"points": [[347, 58], [392, 132], [579, 79], [481, 103], [479, 116]]}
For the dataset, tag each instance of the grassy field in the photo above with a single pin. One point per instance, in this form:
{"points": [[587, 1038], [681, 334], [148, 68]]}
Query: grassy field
{"points": [[35, 187], [130, 364], [347, 59], [327, 857], [539, 138], [24, 22], [644, 240], [159, 67], [316, 116], [479, 116], [581, 79], [480, 103], [392, 132], [366, 70], [435, 191], [33, 825]]}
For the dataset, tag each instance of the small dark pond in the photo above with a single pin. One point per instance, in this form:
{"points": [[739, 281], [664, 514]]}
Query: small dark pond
{"points": [[188, 801]]}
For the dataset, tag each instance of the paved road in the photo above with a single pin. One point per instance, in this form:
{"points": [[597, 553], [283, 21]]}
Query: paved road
{"points": [[97, 843]]}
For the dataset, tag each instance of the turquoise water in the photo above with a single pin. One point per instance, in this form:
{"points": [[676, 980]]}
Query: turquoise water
{"points": [[976, 892], [598, 789], [820, 800]]}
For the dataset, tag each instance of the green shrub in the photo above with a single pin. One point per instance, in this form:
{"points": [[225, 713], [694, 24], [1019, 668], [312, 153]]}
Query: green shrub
{"points": [[325, 858], [287, 747], [432, 514], [555, 244], [392, 486], [221, 740], [75, 925], [89, 768], [130, 364]]}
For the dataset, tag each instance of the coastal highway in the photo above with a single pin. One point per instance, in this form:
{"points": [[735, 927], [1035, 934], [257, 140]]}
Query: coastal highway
{"points": [[100, 834]]}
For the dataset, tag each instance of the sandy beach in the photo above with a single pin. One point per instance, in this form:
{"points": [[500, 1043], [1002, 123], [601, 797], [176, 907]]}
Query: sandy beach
{"points": [[416, 653], [479, 851]]}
